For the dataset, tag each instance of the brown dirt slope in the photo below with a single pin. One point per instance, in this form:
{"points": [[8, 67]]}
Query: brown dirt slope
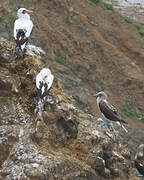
{"points": [[96, 49]]}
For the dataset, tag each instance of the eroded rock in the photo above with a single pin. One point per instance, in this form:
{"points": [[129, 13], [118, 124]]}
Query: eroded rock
{"points": [[68, 143]]}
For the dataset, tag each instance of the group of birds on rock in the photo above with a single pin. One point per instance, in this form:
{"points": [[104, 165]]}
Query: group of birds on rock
{"points": [[22, 29]]}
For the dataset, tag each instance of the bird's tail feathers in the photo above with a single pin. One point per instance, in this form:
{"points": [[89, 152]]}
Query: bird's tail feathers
{"points": [[21, 39], [123, 121]]}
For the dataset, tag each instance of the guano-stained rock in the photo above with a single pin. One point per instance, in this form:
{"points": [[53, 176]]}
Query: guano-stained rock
{"points": [[68, 143]]}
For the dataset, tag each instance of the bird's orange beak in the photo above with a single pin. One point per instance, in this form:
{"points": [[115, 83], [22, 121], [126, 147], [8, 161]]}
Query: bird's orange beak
{"points": [[28, 11]]}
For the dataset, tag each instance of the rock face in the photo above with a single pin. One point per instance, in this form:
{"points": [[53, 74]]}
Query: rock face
{"points": [[133, 8], [68, 143]]}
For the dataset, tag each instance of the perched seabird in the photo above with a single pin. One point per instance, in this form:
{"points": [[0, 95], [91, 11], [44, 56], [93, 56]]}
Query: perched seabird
{"points": [[22, 29], [139, 159], [108, 110], [44, 81]]}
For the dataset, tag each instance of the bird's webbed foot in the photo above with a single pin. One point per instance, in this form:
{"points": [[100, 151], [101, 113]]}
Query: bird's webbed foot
{"points": [[140, 175], [103, 123]]}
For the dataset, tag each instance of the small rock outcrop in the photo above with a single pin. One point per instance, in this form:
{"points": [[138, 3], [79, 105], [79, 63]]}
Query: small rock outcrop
{"points": [[68, 143]]}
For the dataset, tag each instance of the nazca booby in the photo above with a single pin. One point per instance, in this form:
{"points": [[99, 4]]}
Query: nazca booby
{"points": [[22, 29], [44, 81]]}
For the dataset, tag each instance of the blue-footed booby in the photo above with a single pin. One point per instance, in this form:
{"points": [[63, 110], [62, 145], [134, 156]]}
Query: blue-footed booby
{"points": [[108, 111]]}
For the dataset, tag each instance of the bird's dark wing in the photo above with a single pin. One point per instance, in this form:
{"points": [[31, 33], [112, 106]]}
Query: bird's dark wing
{"points": [[112, 108], [40, 89], [20, 38], [110, 112], [43, 89]]}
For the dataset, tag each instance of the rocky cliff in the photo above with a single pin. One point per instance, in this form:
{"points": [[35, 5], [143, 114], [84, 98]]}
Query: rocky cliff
{"points": [[68, 144], [88, 48]]}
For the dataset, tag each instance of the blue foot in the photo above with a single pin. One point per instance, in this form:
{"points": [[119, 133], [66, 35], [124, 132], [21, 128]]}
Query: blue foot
{"points": [[140, 175], [105, 123]]}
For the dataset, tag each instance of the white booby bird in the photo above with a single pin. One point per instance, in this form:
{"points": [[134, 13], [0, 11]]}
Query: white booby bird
{"points": [[44, 81], [139, 159], [108, 110], [22, 29]]}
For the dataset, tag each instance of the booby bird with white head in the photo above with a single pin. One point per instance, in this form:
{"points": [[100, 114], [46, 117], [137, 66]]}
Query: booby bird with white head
{"points": [[139, 160], [108, 110], [22, 29], [44, 81]]}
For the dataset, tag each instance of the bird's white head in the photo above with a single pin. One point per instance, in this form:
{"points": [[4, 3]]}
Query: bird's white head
{"points": [[45, 72], [23, 13], [101, 95]]}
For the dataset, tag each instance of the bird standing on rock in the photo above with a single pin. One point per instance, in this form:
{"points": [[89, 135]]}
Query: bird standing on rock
{"points": [[22, 29], [139, 160], [44, 81], [108, 110]]}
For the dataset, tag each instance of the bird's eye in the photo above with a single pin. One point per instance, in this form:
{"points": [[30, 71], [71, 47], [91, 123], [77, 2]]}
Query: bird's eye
{"points": [[45, 76], [23, 11]]}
